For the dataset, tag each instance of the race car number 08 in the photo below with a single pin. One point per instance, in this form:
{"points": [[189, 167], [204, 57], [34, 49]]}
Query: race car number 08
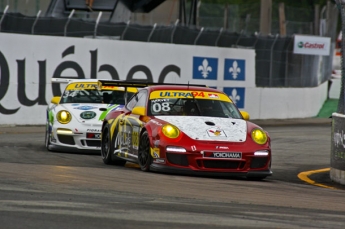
{"points": [[157, 107]]}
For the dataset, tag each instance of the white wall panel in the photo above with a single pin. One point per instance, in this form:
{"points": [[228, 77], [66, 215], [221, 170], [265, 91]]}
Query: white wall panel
{"points": [[31, 60]]}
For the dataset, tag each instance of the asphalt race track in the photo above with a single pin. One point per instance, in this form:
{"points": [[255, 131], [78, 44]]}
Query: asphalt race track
{"points": [[41, 189]]}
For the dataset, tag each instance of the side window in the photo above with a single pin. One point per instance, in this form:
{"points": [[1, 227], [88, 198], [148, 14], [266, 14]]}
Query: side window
{"points": [[138, 99], [142, 98], [131, 103]]}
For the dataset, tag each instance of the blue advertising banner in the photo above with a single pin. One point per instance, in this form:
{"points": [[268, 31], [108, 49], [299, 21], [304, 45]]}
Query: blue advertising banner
{"points": [[205, 68], [236, 94], [235, 70]]}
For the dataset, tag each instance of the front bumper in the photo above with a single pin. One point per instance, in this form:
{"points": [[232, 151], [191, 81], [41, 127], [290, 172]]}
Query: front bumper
{"points": [[237, 160], [188, 171], [81, 138]]}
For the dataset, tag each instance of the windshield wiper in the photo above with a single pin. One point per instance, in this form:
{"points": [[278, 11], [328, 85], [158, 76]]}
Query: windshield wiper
{"points": [[197, 105]]}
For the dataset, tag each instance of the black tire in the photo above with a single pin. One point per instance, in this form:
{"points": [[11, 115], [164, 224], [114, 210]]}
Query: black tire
{"points": [[144, 155], [47, 138], [107, 148]]}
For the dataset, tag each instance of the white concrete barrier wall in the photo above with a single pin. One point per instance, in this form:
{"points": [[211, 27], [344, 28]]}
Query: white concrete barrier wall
{"points": [[28, 62]]}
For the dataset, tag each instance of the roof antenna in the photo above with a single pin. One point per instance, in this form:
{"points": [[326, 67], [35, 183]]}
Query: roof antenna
{"points": [[188, 84]]}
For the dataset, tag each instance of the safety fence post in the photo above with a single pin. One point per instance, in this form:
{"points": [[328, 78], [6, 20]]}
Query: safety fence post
{"points": [[35, 22], [96, 25], [257, 39], [68, 20], [287, 62], [239, 38], [3, 16], [271, 61], [220, 34], [153, 29], [173, 31], [124, 31], [197, 38]]}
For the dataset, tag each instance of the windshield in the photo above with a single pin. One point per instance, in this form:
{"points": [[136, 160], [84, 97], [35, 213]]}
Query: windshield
{"points": [[94, 96], [193, 107]]}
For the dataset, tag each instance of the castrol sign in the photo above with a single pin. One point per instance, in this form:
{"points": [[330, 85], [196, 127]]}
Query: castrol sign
{"points": [[312, 45]]}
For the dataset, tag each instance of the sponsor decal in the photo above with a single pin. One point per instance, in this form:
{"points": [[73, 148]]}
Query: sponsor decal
{"points": [[93, 135], [108, 87], [88, 115], [155, 152], [85, 108], [160, 96], [81, 86], [234, 70], [222, 147], [159, 160], [94, 130], [135, 137], [124, 139], [312, 45], [156, 122], [160, 100], [236, 94], [116, 88], [205, 68], [213, 96], [308, 45], [216, 132], [179, 94], [232, 155]]}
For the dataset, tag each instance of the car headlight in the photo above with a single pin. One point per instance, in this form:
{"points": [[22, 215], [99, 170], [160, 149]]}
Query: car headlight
{"points": [[170, 131], [259, 136], [63, 117]]}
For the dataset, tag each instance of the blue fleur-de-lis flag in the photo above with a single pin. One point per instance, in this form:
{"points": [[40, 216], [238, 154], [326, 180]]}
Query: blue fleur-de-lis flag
{"points": [[205, 68], [236, 94], [235, 69]]}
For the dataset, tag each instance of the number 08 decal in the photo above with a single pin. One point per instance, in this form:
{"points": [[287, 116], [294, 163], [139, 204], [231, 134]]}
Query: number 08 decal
{"points": [[158, 107]]}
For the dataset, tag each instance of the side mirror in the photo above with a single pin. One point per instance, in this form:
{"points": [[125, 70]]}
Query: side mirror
{"points": [[139, 111], [55, 100], [245, 115]]}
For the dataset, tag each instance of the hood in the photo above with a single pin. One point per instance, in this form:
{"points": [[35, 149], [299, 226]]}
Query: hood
{"points": [[209, 128], [78, 109]]}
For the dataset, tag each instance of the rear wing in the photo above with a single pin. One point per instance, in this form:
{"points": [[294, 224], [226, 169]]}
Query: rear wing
{"points": [[140, 84], [69, 80], [136, 84]]}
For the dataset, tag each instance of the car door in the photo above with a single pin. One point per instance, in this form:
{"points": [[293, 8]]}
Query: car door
{"points": [[131, 125]]}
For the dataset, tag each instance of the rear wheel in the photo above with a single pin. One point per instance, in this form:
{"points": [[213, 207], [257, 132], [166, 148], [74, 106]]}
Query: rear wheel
{"points": [[144, 155], [107, 148]]}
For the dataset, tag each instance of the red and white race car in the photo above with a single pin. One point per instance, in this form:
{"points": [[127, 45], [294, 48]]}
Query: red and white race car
{"points": [[185, 129]]}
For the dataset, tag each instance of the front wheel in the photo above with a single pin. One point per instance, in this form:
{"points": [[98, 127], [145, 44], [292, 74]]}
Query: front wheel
{"points": [[47, 138], [107, 148], [144, 154]]}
